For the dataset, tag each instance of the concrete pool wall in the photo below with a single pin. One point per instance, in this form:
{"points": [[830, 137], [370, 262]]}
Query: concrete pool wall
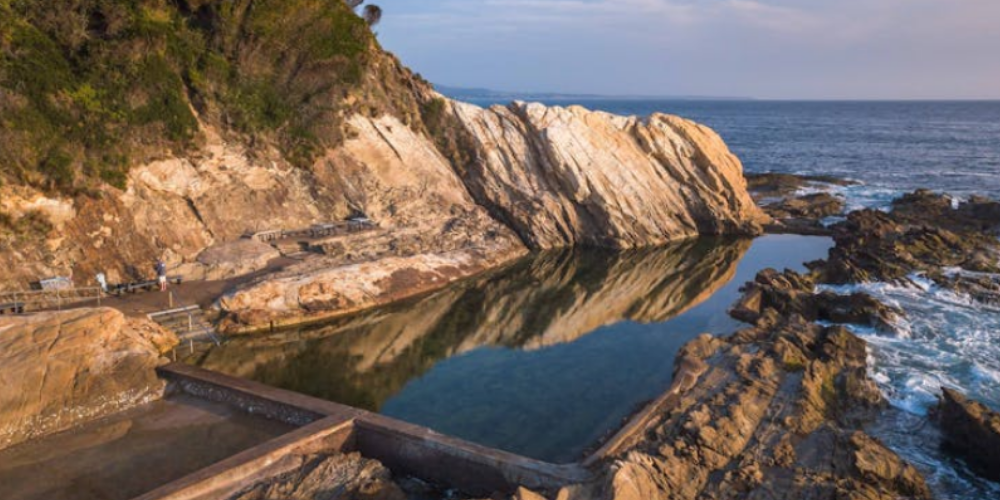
{"points": [[330, 427]]}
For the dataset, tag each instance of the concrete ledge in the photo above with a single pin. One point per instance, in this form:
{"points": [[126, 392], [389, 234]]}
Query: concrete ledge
{"points": [[258, 399], [474, 469], [403, 447]]}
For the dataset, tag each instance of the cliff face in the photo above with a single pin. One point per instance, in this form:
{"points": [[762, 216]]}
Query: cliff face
{"points": [[569, 176], [557, 177]]}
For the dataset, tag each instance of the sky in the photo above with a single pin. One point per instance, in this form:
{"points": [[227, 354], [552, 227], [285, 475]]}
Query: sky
{"points": [[767, 49]]}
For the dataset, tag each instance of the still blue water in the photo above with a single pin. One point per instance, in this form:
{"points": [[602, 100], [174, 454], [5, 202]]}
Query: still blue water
{"points": [[890, 146]]}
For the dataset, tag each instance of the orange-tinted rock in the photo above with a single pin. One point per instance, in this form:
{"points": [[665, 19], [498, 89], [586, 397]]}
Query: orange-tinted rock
{"points": [[60, 369]]}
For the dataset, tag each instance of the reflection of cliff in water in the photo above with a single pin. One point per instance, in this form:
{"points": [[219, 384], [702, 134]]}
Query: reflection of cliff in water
{"points": [[543, 300]]}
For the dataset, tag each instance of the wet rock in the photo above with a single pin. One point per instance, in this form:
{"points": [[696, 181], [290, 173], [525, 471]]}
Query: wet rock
{"points": [[569, 176], [972, 430], [983, 288], [778, 185], [795, 211], [790, 293], [876, 246], [61, 369], [811, 206], [328, 477]]}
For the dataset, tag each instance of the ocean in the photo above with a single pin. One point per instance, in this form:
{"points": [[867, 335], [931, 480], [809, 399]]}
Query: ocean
{"points": [[946, 339]]}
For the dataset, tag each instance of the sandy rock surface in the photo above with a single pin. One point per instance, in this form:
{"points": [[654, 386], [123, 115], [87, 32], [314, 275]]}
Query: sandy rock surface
{"points": [[60, 369]]}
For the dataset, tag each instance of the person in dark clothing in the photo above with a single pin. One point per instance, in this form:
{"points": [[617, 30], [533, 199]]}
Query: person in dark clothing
{"points": [[161, 274]]}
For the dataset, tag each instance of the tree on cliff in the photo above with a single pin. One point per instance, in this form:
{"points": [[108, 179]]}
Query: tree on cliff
{"points": [[372, 14]]}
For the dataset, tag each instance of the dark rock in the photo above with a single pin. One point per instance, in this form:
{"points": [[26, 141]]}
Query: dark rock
{"points": [[972, 430], [775, 185], [794, 214], [877, 246], [791, 293], [811, 206], [328, 477]]}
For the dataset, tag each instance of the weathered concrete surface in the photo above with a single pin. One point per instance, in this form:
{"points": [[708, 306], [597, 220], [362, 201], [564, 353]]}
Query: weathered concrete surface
{"points": [[130, 453], [569, 176], [971, 429], [60, 369]]}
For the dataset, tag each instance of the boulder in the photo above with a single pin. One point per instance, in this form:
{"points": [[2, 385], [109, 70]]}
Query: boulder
{"points": [[328, 477], [790, 293], [60, 369], [972, 430], [569, 176]]}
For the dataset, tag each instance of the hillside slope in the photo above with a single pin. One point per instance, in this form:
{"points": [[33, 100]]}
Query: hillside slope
{"points": [[156, 128]]}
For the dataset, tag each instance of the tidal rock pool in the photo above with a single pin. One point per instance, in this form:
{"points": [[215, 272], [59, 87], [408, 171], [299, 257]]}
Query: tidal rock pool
{"points": [[543, 358]]}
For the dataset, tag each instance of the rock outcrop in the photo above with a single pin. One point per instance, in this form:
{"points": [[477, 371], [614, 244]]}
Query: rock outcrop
{"points": [[924, 232], [60, 369], [569, 176], [315, 290], [328, 477], [971, 429], [797, 203]]}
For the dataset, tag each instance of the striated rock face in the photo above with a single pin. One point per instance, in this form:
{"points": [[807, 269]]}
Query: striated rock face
{"points": [[973, 430], [569, 176], [60, 369]]}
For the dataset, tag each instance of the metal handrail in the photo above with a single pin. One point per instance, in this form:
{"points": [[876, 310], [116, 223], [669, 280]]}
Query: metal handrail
{"points": [[42, 298]]}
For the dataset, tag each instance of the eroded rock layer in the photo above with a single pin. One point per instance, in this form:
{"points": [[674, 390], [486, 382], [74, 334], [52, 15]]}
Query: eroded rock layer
{"points": [[60, 369]]}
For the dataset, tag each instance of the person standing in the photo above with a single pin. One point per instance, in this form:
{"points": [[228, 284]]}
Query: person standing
{"points": [[161, 274]]}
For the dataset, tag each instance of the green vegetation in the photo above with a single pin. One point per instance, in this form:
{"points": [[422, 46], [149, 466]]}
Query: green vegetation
{"points": [[29, 228], [90, 87]]}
